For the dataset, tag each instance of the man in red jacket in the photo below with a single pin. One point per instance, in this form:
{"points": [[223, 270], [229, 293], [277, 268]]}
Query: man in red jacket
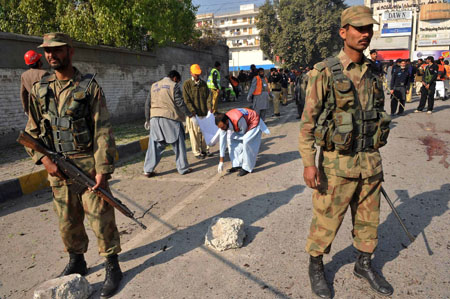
{"points": [[245, 126]]}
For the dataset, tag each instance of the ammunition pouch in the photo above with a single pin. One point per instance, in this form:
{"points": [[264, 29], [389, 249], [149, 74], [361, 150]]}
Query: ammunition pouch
{"points": [[382, 130], [324, 130], [343, 134]]}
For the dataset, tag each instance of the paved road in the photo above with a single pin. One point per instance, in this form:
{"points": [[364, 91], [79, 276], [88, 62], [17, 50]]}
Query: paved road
{"points": [[169, 260]]}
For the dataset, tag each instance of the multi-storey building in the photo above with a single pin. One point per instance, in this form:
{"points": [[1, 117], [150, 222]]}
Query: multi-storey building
{"points": [[411, 28], [242, 36]]}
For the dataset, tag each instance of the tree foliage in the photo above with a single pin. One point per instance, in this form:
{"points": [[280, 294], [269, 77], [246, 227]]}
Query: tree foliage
{"points": [[205, 37], [302, 32], [133, 24], [269, 28]]}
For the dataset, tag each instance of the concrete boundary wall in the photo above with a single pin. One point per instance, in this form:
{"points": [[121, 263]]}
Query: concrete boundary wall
{"points": [[124, 75]]}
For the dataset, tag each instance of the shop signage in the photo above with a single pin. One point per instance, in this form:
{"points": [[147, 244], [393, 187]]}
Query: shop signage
{"points": [[434, 33], [435, 11], [397, 15], [396, 29], [435, 53]]}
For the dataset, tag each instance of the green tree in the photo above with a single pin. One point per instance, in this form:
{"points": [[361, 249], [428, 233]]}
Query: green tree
{"points": [[269, 28], [133, 23], [309, 31]]}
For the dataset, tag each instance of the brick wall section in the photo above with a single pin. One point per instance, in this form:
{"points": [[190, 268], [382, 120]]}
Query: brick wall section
{"points": [[125, 76], [12, 117]]}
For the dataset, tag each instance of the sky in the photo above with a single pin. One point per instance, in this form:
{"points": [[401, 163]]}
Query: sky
{"points": [[221, 6]]}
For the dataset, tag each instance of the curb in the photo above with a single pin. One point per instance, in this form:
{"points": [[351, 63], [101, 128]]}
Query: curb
{"points": [[36, 181]]}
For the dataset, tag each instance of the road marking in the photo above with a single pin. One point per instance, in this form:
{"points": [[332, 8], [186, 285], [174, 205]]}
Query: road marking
{"points": [[144, 235]]}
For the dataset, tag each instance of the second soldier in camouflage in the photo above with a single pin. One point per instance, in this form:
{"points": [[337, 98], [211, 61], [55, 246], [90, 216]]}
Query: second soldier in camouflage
{"points": [[344, 116]]}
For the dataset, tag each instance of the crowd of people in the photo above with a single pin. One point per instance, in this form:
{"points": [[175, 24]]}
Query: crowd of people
{"points": [[428, 79], [281, 83]]}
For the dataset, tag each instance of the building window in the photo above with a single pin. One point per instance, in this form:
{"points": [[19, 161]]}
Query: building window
{"points": [[222, 22], [245, 30], [250, 30], [234, 21], [244, 20]]}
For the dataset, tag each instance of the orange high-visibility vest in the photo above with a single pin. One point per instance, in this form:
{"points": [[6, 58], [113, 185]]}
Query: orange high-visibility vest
{"points": [[441, 70], [447, 71], [233, 81], [250, 116], [258, 89]]}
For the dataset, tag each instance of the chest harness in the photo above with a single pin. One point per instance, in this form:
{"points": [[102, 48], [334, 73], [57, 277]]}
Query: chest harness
{"points": [[343, 124], [67, 132]]}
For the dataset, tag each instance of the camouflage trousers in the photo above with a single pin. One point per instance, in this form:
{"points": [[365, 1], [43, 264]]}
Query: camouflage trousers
{"points": [[71, 209], [330, 203]]}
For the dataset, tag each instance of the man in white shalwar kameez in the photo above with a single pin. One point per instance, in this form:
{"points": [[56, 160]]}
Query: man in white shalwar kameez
{"points": [[245, 128]]}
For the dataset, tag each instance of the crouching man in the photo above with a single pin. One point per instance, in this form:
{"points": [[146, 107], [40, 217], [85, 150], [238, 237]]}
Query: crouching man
{"points": [[242, 128]]}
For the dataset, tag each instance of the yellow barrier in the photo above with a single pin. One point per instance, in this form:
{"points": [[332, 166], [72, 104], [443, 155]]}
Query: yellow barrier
{"points": [[34, 181]]}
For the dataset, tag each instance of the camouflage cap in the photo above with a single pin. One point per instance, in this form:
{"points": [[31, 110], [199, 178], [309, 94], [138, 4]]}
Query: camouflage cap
{"points": [[56, 39], [357, 16]]}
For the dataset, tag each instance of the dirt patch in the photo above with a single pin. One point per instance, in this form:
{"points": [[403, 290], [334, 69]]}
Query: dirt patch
{"points": [[436, 147]]}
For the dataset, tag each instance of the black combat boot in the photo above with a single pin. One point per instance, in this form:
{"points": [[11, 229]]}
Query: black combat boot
{"points": [[319, 285], [76, 264], [112, 278], [363, 269]]}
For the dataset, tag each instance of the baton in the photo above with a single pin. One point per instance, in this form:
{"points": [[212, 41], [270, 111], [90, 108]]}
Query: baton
{"points": [[410, 236]]}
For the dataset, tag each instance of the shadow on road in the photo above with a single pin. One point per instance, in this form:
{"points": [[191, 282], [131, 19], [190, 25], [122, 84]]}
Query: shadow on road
{"points": [[416, 212], [273, 160], [185, 240]]}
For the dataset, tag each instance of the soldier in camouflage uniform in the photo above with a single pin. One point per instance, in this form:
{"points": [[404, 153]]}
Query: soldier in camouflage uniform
{"points": [[70, 117], [344, 116]]}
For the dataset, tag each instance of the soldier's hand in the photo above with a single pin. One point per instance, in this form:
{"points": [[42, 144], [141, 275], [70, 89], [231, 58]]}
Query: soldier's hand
{"points": [[100, 180], [52, 168], [311, 176]]}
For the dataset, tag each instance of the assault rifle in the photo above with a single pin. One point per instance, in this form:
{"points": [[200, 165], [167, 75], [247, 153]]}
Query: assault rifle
{"points": [[72, 172]]}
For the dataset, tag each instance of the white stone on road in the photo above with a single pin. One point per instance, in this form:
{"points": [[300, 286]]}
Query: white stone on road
{"points": [[72, 286], [225, 233]]}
